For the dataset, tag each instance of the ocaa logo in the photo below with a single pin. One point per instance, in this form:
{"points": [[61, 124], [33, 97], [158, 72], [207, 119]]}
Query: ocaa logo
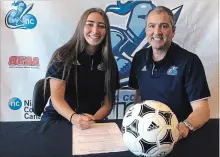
{"points": [[15, 103], [20, 19], [23, 62]]}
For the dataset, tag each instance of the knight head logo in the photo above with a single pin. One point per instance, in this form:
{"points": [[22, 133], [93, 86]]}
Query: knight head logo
{"points": [[127, 40], [19, 17], [173, 70]]}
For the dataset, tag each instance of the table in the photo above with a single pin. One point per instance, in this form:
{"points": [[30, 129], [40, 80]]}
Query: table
{"points": [[54, 139]]}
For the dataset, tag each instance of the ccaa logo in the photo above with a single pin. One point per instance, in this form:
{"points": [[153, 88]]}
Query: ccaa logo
{"points": [[15, 103]]}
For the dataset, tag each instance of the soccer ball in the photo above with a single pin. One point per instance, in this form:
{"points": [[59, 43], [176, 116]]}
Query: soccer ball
{"points": [[150, 129]]}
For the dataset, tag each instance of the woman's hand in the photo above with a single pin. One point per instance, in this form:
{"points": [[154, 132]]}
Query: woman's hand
{"points": [[82, 121], [89, 116]]}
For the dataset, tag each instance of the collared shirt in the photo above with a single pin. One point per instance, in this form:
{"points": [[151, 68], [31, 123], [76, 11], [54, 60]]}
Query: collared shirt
{"points": [[177, 80]]}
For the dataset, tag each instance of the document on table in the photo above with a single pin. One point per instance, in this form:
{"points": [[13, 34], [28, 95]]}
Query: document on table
{"points": [[100, 138]]}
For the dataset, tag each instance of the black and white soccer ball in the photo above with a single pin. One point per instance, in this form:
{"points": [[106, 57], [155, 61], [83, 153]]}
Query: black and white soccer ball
{"points": [[150, 129]]}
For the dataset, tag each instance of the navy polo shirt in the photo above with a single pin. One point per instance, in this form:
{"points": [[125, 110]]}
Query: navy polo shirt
{"points": [[176, 80], [91, 85]]}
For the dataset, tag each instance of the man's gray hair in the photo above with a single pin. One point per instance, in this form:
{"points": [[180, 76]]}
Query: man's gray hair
{"points": [[162, 9]]}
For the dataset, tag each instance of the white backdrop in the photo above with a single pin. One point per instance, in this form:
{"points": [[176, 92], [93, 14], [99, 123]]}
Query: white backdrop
{"points": [[25, 52]]}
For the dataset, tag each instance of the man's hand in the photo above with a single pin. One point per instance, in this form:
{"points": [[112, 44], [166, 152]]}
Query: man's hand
{"points": [[82, 121], [183, 131]]}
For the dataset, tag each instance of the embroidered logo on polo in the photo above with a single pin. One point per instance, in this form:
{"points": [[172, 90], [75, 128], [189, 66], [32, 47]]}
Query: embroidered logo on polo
{"points": [[144, 68], [172, 71], [101, 67]]}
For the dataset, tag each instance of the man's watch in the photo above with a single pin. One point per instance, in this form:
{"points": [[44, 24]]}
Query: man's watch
{"points": [[188, 125]]}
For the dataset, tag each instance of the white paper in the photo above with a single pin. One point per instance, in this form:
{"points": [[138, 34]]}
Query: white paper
{"points": [[100, 138]]}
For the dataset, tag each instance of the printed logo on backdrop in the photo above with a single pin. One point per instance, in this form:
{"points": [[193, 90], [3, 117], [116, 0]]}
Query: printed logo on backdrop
{"points": [[123, 101], [19, 105], [128, 40], [15, 103], [23, 62], [19, 17]]}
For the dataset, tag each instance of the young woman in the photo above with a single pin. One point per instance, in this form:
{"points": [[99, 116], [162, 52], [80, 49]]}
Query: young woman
{"points": [[82, 74]]}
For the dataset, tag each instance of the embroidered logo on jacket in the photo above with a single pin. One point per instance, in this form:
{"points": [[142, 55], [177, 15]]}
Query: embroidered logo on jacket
{"points": [[101, 67], [172, 70]]}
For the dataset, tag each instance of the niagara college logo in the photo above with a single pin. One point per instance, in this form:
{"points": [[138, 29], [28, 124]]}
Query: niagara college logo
{"points": [[15, 103], [173, 70], [128, 40], [101, 67], [23, 62], [20, 18]]}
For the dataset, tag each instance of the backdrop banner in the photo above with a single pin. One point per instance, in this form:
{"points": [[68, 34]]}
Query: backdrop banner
{"points": [[32, 30]]}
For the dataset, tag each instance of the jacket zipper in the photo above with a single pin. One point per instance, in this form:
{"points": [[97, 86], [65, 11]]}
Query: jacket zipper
{"points": [[92, 65], [153, 68]]}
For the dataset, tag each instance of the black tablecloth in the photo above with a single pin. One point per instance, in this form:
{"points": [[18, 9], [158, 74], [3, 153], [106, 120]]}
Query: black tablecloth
{"points": [[54, 139]]}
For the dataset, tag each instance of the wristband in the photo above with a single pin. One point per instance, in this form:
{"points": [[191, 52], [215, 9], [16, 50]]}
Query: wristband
{"points": [[72, 116], [189, 126]]}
